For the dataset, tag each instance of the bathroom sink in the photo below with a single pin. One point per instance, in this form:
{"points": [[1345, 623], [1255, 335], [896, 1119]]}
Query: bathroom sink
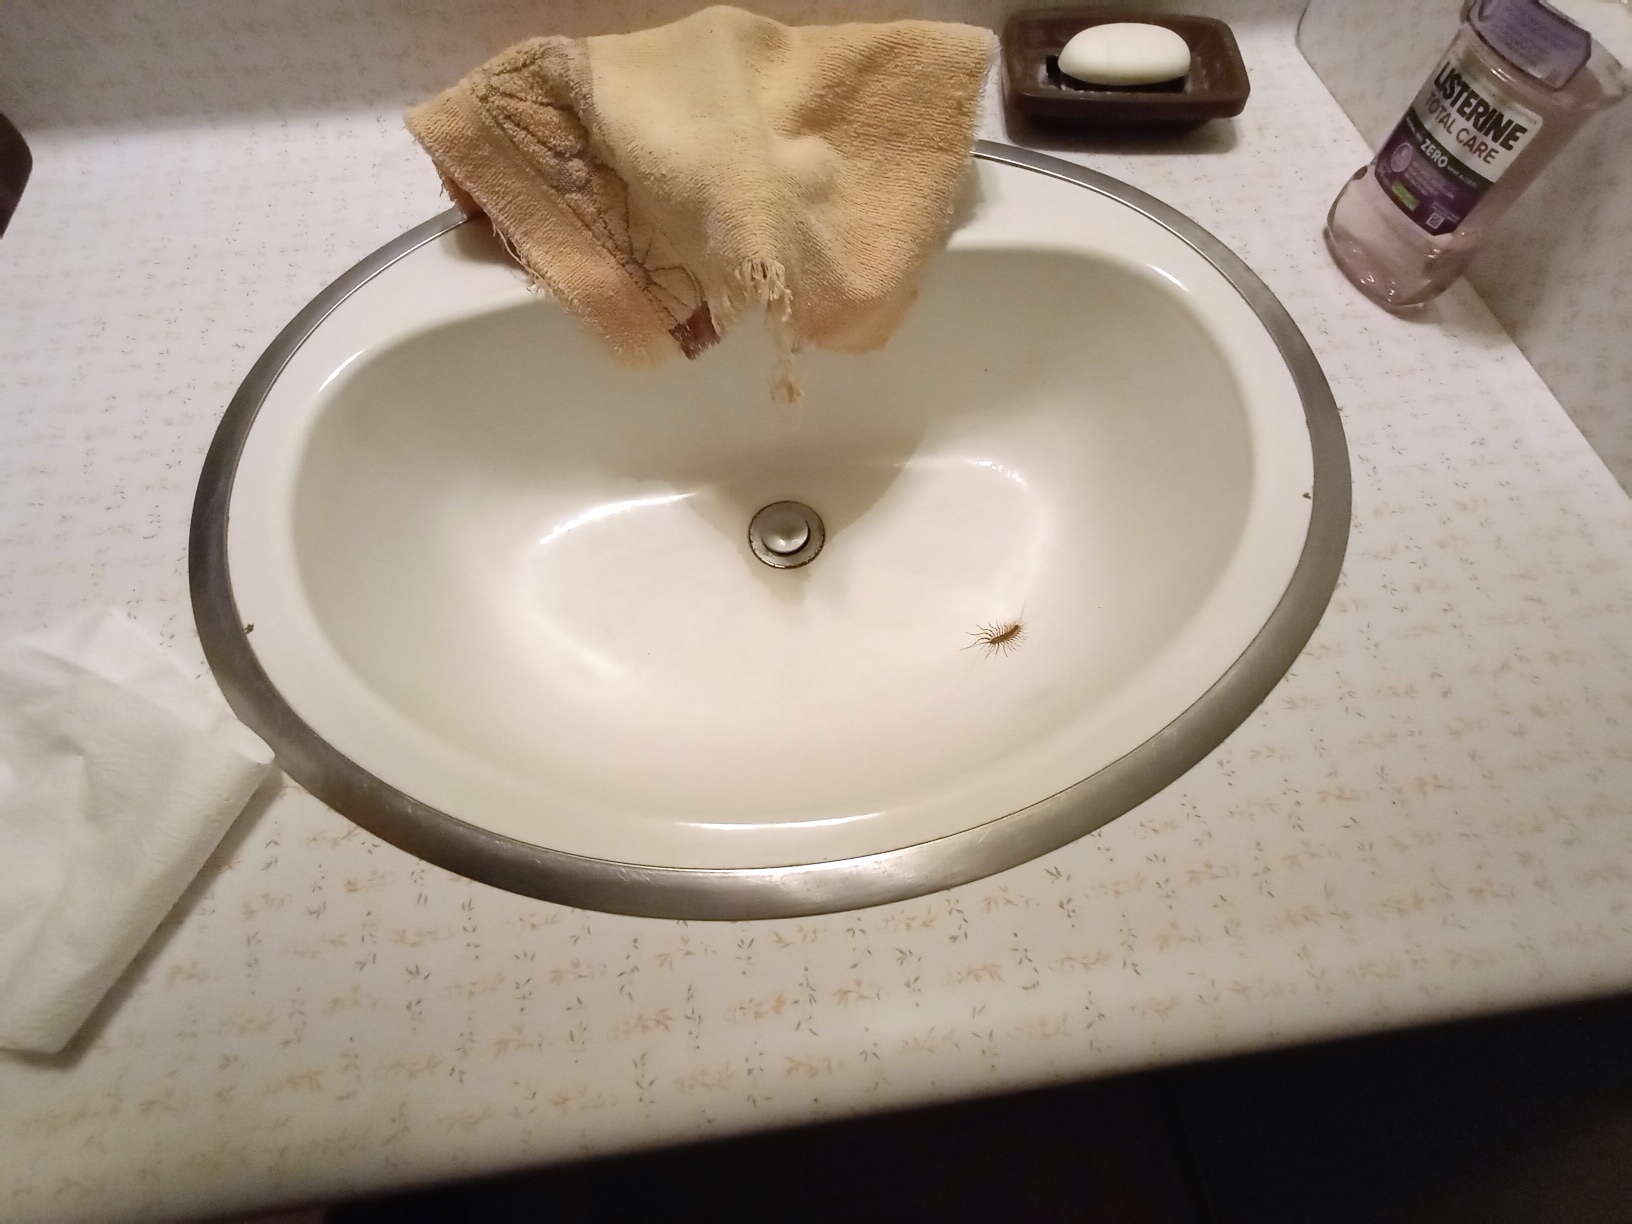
{"points": [[498, 601]]}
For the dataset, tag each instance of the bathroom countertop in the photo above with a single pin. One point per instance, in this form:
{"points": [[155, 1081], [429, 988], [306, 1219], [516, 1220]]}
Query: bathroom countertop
{"points": [[1428, 818]]}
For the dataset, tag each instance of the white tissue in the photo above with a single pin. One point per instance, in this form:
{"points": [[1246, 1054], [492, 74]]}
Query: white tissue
{"points": [[117, 779]]}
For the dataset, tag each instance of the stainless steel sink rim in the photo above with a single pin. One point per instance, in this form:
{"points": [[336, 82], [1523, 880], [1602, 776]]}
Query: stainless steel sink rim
{"points": [[776, 892]]}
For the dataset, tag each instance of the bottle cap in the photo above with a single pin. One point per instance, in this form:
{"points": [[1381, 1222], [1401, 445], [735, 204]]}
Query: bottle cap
{"points": [[1535, 38], [1610, 24]]}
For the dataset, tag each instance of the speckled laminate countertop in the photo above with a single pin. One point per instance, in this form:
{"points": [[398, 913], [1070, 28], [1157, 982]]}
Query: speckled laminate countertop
{"points": [[1428, 818]]}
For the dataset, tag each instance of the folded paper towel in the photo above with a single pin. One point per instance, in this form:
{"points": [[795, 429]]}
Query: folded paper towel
{"points": [[657, 183], [117, 779]]}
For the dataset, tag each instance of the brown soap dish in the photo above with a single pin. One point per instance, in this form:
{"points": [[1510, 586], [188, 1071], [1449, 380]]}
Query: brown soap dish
{"points": [[1215, 87], [15, 163]]}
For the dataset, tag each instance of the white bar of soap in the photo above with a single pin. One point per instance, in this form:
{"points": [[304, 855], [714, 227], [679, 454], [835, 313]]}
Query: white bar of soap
{"points": [[1125, 53]]}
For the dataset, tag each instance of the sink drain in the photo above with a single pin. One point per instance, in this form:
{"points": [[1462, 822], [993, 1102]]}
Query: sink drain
{"points": [[786, 534]]}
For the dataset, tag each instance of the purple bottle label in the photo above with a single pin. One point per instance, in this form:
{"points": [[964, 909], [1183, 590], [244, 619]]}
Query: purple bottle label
{"points": [[1459, 137], [1533, 37]]}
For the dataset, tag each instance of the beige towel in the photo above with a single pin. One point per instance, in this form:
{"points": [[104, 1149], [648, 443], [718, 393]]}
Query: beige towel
{"points": [[658, 183]]}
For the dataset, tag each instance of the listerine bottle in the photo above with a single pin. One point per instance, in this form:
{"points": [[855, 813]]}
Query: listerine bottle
{"points": [[1518, 80]]}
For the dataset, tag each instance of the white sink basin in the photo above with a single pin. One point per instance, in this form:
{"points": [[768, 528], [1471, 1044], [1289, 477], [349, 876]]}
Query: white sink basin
{"points": [[505, 611]]}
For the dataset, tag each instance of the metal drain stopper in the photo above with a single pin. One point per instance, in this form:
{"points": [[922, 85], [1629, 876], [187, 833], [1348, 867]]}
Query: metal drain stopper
{"points": [[786, 534]]}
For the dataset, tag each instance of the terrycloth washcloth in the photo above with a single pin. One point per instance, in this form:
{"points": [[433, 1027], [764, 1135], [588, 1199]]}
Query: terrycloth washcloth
{"points": [[658, 183]]}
